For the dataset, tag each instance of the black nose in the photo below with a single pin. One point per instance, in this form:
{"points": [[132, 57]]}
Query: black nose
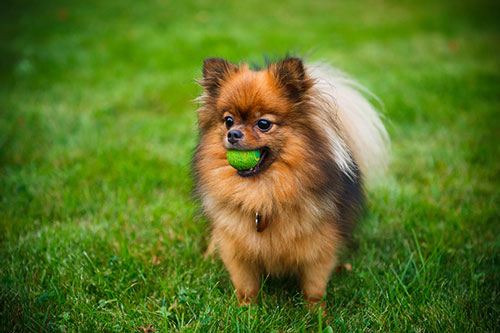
{"points": [[234, 136]]}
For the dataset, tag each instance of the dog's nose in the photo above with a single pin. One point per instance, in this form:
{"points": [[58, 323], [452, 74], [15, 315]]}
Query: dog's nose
{"points": [[234, 136]]}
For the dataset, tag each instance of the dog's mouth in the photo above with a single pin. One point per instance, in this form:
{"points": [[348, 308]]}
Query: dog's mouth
{"points": [[264, 162]]}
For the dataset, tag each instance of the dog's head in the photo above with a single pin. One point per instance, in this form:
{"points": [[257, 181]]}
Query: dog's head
{"points": [[255, 110]]}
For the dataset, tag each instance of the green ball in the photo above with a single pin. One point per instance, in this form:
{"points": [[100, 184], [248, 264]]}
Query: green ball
{"points": [[243, 159]]}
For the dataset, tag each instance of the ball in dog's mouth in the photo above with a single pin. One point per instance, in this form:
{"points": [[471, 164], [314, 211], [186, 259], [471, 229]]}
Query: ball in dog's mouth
{"points": [[248, 162]]}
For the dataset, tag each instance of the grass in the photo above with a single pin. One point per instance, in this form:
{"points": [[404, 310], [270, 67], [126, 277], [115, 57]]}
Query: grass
{"points": [[98, 231]]}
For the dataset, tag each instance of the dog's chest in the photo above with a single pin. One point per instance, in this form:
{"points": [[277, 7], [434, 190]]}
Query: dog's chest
{"points": [[281, 247], [288, 241]]}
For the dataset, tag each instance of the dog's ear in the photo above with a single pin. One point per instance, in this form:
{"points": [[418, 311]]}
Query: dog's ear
{"points": [[215, 72], [290, 75]]}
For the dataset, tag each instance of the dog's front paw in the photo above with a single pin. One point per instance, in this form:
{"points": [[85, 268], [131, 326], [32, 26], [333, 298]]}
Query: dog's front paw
{"points": [[246, 299], [315, 304]]}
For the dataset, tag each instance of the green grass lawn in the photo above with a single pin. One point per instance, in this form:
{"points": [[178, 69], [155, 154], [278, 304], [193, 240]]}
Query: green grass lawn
{"points": [[98, 231]]}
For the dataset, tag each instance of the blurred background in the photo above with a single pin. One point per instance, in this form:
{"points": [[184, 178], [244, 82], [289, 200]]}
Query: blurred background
{"points": [[98, 230]]}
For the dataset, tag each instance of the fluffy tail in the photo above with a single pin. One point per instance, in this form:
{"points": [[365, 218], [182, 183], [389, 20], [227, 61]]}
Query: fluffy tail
{"points": [[359, 126]]}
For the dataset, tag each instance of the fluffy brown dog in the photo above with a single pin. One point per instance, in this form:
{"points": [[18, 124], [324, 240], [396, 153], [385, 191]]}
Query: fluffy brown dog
{"points": [[293, 211]]}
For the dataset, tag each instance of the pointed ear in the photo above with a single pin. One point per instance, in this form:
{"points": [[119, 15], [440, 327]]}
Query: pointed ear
{"points": [[290, 74], [215, 72]]}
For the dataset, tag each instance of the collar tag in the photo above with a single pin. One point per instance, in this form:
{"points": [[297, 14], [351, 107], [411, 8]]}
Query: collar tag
{"points": [[260, 223]]}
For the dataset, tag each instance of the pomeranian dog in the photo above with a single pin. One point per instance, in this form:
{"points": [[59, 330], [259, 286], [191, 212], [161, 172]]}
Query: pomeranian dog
{"points": [[318, 139]]}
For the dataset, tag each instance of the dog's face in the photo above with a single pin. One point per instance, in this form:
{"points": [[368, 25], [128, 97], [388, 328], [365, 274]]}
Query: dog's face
{"points": [[252, 110]]}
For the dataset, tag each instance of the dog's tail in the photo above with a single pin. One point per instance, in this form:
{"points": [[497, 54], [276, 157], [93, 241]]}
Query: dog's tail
{"points": [[359, 129]]}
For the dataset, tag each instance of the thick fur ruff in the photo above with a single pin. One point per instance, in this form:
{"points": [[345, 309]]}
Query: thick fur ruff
{"points": [[325, 137]]}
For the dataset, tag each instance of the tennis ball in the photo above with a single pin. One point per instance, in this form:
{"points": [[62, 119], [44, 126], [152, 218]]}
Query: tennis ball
{"points": [[243, 159]]}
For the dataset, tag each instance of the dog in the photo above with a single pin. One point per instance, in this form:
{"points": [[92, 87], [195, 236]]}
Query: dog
{"points": [[318, 139]]}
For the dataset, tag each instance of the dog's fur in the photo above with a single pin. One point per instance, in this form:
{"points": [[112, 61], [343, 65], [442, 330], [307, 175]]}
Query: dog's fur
{"points": [[324, 140]]}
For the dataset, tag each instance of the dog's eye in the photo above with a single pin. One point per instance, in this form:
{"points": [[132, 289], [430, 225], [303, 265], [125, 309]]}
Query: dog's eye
{"points": [[264, 125], [229, 121]]}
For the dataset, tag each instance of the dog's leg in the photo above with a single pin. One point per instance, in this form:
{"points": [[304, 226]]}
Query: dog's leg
{"points": [[246, 278], [314, 278]]}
